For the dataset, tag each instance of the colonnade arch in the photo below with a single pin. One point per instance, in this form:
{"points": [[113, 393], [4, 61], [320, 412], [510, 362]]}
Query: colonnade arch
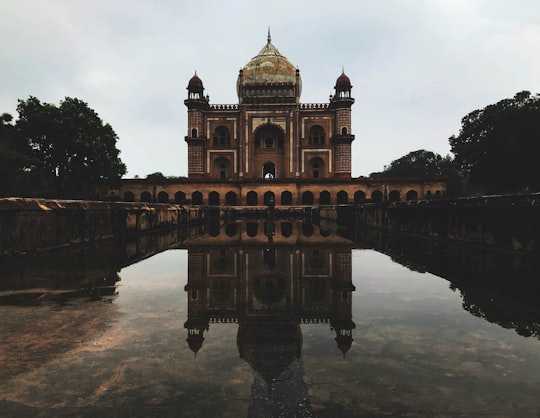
{"points": [[252, 199], [394, 196], [324, 198], [286, 198], [307, 198], [231, 198], [180, 197], [342, 197], [359, 197], [412, 195], [311, 196], [129, 197], [196, 198], [213, 198], [146, 197], [163, 197], [269, 196]]}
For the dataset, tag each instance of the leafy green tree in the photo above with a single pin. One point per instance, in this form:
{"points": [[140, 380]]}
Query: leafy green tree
{"points": [[422, 163], [498, 146], [72, 150]]}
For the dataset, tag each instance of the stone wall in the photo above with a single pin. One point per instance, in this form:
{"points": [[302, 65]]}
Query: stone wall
{"points": [[502, 222], [32, 224]]}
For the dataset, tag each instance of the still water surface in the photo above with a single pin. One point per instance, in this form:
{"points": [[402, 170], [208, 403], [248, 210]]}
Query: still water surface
{"points": [[256, 327]]}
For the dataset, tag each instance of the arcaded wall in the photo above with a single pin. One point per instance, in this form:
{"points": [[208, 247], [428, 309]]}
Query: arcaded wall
{"points": [[31, 224], [502, 222]]}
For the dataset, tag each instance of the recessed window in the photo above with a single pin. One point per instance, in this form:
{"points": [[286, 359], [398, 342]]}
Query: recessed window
{"points": [[316, 135], [269, 137], [222, 136]]}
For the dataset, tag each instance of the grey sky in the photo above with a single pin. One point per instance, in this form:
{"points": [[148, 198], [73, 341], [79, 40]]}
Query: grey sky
{"points": [[417, 67]]}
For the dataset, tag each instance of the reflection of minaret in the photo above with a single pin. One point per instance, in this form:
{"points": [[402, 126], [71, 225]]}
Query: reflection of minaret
{"points": [[196, 287], [269, 286], [342, 321], [287, 396]]}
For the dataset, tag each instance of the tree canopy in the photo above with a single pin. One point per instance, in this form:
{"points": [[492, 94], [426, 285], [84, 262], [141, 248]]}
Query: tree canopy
{"points": [[422, 163], [498, 146], [60, 151]]}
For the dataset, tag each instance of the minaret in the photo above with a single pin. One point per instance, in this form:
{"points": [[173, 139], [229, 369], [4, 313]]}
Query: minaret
{"points": [[342, 138], [196, 139]]}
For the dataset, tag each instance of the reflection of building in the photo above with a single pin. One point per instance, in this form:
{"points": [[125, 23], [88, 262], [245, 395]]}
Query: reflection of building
{"points": [[271, 144], [269, 284], [269, 278]]}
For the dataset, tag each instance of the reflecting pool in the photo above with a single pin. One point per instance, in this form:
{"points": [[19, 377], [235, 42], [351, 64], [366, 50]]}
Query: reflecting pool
{"points": [[269, 319]]}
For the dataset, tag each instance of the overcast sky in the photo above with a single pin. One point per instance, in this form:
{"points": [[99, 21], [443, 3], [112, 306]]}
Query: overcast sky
{"points": [[417, 67]]}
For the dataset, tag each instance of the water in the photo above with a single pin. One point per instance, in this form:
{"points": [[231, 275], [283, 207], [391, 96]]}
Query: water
{"points": [[243, 322]]}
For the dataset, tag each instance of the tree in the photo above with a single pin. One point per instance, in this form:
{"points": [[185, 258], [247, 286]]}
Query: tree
{"points": [[14, 158], [72, 150], [422, 163], [498, 146]]}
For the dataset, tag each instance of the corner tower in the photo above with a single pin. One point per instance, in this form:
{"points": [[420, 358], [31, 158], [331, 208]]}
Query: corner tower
{"points": [[342, 137], [196, 139]]}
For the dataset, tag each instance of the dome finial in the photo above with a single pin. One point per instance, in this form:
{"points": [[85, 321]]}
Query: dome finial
{"points": [[269, 39], [342, 69]]}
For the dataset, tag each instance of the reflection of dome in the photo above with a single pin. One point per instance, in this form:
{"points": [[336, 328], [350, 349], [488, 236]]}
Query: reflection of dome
{"points": [[269, 347], [270, 287]]}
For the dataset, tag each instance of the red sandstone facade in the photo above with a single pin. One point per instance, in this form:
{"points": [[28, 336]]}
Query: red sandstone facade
{"points": [[270, 145]]}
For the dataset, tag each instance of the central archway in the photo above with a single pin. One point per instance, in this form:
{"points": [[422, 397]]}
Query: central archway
{"points": [[269, 136], [269, 170]]}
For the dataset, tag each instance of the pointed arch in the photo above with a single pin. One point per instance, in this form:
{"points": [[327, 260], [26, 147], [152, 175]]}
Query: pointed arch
{"points": [[316, 167], [286, 198], [222, 136], [252, 199], [146, 197], [324, 198], [269, 136], [231, 198], [163, 197], [342, 197], [359, 197], [180, 197], [412, 195], [196, 198], [129, 197], [267, 196], [377, 196], [394, 196], [316, 135], [213, 198], [307, 198]]}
